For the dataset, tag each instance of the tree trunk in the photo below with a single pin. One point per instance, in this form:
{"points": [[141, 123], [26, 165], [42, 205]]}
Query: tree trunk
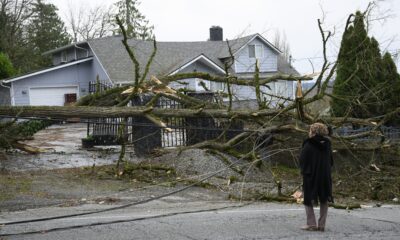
{"points": [[110, 112]]}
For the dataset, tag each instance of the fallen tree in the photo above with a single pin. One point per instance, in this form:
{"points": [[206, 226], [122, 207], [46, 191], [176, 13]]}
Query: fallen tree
{"points": [[287, 121], [291, 115]]}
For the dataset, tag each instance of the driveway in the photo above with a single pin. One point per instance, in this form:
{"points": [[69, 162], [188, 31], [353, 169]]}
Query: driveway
{"points": [[62, 149]]}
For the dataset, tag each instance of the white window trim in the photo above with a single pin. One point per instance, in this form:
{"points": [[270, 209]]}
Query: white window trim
{"points": [[255, 51], [195, 60], [262, 39], [47, 70], [12, 95]]}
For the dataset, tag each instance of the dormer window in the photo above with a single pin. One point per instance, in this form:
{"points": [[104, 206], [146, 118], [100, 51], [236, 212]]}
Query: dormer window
{"points": [[256, 51]]}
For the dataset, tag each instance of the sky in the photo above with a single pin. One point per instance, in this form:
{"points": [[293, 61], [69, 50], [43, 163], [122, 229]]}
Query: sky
{"points": [[190, 20]]}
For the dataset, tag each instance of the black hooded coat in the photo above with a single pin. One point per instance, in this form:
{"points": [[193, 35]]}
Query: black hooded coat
{"points": [[316, 162]]}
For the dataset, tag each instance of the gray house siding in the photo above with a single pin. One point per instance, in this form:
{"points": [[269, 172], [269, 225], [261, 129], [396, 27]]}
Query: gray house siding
{"points": [[71, 54], [5, 99], [268, 63], [97, 69], [76, 75]]}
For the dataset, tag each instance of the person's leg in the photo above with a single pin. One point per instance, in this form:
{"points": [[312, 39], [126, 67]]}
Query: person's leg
{"points": [[323, 213], [311, 223]]}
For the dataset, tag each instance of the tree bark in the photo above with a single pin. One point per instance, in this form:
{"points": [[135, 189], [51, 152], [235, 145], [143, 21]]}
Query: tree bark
{"points": [[110, 112]]}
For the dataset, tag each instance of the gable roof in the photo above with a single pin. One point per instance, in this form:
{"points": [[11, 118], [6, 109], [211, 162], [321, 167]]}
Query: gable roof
{"points": [[169, 56], [203, 58], [31, 74], [254, 36]]}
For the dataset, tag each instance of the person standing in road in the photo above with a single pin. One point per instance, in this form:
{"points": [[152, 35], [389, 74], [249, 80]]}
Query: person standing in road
{"points": [[316, 162]]}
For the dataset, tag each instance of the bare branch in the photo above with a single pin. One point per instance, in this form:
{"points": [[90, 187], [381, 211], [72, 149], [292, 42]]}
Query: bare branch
{"points": [[130, 53]]}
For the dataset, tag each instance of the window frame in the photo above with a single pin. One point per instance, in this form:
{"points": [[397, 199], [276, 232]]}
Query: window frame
{"points": [[261, 48], [64, 57]]}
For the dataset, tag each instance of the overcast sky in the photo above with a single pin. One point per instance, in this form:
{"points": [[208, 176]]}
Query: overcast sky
{"points": [[189, 20]]}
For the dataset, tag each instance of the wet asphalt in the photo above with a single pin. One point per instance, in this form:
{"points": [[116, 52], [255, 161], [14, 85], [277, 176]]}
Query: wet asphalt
{"points": [[173, 218]]}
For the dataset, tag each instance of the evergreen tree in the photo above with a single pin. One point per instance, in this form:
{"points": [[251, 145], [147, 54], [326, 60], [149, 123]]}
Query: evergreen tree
{"points": [[14, 16], [393, 86], [45, 32], [136, 24], [363, 86], [6, 67]]}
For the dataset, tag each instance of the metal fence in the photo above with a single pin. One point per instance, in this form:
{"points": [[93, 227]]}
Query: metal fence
{"points": [[104, 131], [146, 136], [99, 86], [389, 133], [176, 135]]}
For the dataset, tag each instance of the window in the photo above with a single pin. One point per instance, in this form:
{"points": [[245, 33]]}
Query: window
{"points": [[255, 51], [217, 86], [63, 56]]}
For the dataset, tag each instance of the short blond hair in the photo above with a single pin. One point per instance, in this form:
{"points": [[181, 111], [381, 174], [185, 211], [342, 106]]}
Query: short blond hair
{"points": [[318, 129]]}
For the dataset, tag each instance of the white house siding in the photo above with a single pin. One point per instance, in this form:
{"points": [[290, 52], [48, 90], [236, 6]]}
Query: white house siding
{"points": [[290, 89], [76, 75], [246, 96], [190, 83], [284, 88], [269, 62], [249, 93]]}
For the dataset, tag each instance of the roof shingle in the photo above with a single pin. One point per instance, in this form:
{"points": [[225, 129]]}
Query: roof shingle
{"points": [[169, 56]]}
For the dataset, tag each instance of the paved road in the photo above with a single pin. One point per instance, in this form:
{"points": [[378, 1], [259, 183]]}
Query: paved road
{"points": [[255, 221]]}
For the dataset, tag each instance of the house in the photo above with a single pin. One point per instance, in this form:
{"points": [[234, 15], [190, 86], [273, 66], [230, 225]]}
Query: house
{"points": [[75, 65]]}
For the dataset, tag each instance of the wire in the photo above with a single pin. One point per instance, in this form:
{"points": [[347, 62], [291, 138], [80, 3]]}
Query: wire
{"points": [[113, 208], [125, 206], [142, 201], [121, 221]]}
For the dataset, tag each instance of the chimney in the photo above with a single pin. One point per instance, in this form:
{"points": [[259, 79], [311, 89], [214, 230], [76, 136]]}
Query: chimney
{"points": [[216, 33]]}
